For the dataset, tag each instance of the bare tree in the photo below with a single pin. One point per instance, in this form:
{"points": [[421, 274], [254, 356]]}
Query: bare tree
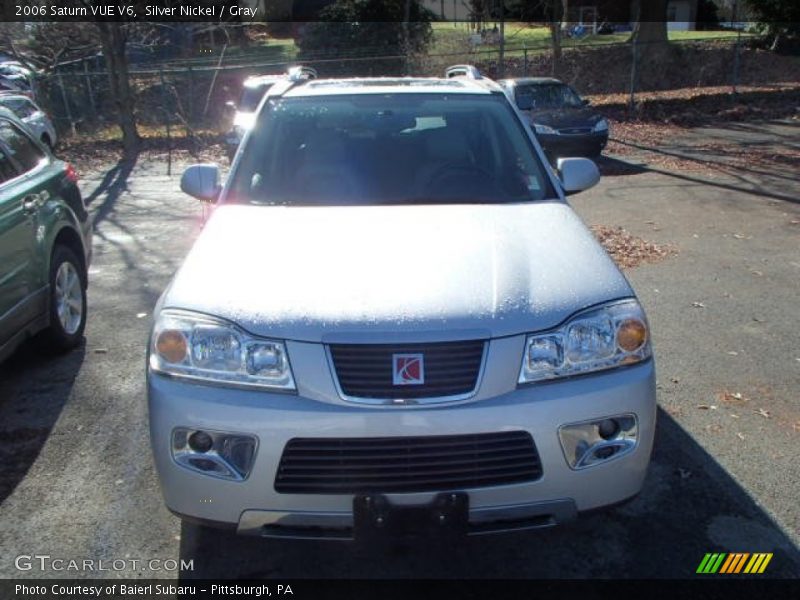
{"points": [[114, 39], [651, 22]]}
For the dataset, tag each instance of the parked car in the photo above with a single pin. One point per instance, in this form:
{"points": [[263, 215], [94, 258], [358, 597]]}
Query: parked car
{"points": [[564, 123], [45, 243], [253, 91], [15, 85], [394, 320], [34, 117]]}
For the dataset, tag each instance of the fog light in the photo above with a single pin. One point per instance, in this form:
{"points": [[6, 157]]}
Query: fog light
{"points": [[608, 429], [215, 453], [592, 442], [200, 441]]}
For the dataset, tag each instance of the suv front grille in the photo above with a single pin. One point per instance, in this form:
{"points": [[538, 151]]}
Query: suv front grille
{"points": [[406, 464], [365, 370]]}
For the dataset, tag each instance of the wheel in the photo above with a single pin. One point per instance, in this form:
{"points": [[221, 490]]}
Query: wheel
{"points": [[67, 301]]}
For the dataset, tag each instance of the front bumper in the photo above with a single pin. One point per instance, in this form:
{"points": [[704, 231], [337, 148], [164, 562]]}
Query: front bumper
{"points": [[563, 146], [254, 507]]}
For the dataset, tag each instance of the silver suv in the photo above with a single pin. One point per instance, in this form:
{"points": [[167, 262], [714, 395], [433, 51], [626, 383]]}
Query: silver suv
{"points": [[394, 321]]}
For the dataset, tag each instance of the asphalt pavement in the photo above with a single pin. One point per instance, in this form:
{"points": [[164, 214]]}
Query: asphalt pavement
{"points": [[77, 479]]}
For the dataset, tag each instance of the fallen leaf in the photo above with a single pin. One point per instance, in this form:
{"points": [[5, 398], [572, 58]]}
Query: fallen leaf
{"points": [[141, 315], [763, 413], [740, 436], [101, 350], [703, 406], [733, 353], [735, 416], [675, 380], [698, 305]]}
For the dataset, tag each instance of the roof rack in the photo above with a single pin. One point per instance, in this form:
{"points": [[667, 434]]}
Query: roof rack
{"points": [[468, 71], [301, 73]]}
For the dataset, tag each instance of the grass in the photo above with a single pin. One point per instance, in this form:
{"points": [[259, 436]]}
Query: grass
{"points": [[450, 38]]}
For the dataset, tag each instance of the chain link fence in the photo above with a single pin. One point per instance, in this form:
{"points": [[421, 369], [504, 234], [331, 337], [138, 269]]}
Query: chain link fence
{"points": [[192, 94]]}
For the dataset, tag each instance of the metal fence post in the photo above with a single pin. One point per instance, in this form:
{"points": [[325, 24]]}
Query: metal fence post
{"points": [[66, 104], [190, 116], [634, 68], [736, 62], [525, 54], [167, 118], [89, 88]]}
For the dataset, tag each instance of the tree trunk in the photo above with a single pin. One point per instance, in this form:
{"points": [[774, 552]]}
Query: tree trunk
{"points": [[651, 22], [556, 15], [113, 40], [650, 44]]}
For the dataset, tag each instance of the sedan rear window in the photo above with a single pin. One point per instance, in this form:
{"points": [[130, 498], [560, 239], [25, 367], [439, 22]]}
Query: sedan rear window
{"points": [[550, 95], [388, 149]]}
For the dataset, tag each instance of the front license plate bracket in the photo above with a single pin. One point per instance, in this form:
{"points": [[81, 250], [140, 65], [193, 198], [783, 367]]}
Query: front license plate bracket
{"points": [[374, 515]]}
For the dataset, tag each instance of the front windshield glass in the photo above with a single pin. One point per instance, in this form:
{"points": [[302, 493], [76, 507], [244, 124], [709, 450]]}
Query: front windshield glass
{"points": [[550, 95], [388, 149]]}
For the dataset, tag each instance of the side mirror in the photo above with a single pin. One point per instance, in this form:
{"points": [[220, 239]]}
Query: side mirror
{"points": [[525, 102], [201, 182], [577, 174]]}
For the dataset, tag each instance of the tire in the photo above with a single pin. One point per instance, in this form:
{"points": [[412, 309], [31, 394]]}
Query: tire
{"points": [[67, 301]]}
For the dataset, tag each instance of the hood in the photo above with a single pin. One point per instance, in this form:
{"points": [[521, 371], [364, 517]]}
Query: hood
{"points": [[562, 118], [324, 274]]}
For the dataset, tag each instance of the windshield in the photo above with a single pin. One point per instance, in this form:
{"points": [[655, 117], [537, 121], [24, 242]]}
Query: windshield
{"points": [[251, 96], [388, 149], [550, 95]]}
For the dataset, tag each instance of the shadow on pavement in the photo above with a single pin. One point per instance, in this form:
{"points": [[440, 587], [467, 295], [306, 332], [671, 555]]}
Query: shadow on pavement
{"points": [[113, 184], [27, 418], [614, 167], [690, 506]]}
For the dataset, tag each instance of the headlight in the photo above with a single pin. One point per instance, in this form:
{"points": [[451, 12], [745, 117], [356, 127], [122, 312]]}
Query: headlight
{"points": [[601, 125], [203, 348], [539, 128], [602, 338]]}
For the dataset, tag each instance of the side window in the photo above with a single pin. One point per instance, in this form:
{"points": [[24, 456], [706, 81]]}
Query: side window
{"points": [[26, 109], [7, 169], [20, 146]]}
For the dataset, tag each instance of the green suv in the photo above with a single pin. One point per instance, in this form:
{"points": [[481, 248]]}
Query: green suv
{"points": [[45, 244]]}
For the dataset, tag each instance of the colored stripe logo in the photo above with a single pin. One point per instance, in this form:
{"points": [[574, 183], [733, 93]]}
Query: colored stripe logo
{"points": [[734, 563]]}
